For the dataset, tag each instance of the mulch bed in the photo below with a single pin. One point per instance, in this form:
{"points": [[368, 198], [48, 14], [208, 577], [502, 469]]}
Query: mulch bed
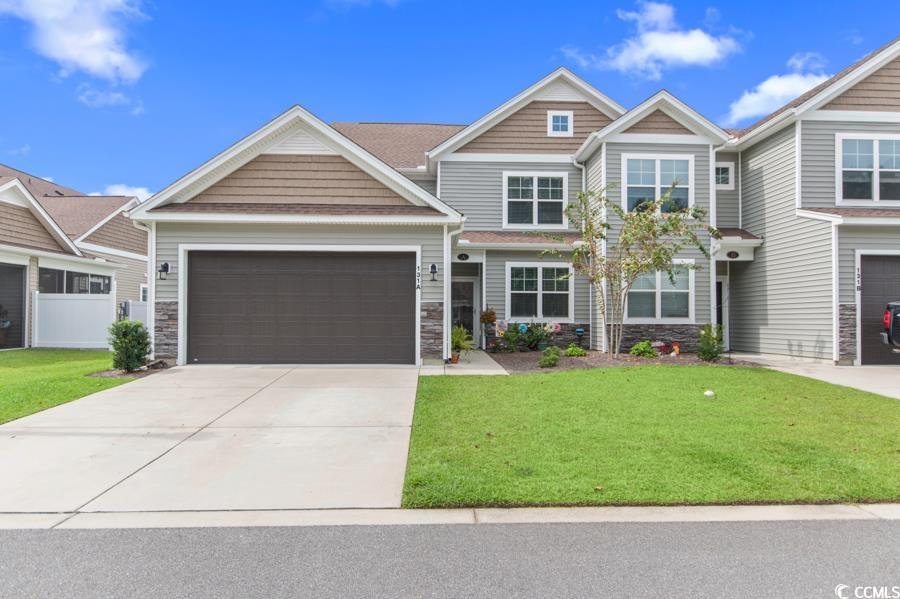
{"points": [[151, 368], [528, 361]]}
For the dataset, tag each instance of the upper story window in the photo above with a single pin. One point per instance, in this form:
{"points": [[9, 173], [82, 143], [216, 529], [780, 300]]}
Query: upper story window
{"points": [[870, 168], [535, 200], [655, 297], [560, 123], [648, 177], [539, 291], [725, 176]]}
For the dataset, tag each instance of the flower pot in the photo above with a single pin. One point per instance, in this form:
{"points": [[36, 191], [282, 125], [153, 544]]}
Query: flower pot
{"points": [[542, 345], [454, 358]]}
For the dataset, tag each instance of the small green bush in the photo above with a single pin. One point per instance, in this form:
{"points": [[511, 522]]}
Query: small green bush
{"points": [[461, 339], [550, 357], [711, 343], [575, 351], [643, 349], [511, 338], [131, 344]]}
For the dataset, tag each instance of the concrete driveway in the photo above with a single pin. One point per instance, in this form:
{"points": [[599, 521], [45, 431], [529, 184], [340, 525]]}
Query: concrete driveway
{"points": [[217, 438]]}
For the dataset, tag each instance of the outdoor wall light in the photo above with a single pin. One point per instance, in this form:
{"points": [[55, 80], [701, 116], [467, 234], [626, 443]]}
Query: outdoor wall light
{"points": [[433, 270], [163, 271]]}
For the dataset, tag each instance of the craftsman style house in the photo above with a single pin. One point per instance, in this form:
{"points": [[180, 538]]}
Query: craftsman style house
{"points": [[366, 242]]}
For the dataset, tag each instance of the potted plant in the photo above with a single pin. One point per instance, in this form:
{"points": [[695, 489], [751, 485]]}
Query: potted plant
{"points": [[488, 316], [460, 341]]}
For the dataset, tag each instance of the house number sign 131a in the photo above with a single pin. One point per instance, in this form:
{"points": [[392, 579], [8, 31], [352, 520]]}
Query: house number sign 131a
{"points": [[418, 276]]}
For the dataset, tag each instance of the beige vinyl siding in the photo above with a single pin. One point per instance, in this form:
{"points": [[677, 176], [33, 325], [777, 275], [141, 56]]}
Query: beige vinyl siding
{"points": [[614, 153], [119, 233], [128, 279], [817, 140], [495, 281], [525, 131], [659, 122], [861, 238], [170, 235], [879, 91], [781, 302], [294, 179], [476, 188], [727, 201], [18, 226]]}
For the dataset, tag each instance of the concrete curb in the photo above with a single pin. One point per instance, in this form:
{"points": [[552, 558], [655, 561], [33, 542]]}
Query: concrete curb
{"points": [[478, 516]]}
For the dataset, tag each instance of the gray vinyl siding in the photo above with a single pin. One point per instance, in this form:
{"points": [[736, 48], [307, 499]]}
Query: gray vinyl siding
{"points": [[128, 279], [594, 181], [861, 238], [426, 181], [476, 188], [614, 153], [818, 157], [727, 201], [781, 302], [495, 281], [170, 235]]}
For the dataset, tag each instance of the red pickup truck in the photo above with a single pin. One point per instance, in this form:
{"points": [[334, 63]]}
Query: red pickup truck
{"points": [[891, 321]]}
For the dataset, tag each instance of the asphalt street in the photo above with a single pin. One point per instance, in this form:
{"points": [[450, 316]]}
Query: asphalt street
{"points": [[735, 559]]}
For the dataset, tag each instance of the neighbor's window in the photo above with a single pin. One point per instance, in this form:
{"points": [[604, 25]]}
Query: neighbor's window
{"points": [[560, 123], [654, 296], [539, 292], [648, 178], [724, 175], [535, 200], [51, 280], [870, 169], [145, 293]]}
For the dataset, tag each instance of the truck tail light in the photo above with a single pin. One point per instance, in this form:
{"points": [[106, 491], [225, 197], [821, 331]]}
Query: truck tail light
{"points": [[886, 319]]}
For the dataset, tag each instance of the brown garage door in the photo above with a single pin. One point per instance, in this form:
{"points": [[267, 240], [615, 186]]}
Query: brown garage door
{"points": [[880, 284], [301, 308]]}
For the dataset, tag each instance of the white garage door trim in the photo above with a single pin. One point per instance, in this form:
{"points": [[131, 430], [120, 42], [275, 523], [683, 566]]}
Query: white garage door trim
{"points": [[858, 273], [182, 271]]}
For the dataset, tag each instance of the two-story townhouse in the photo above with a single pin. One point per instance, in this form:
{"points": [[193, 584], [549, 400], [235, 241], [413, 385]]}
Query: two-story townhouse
{"points": [[366, 242]]}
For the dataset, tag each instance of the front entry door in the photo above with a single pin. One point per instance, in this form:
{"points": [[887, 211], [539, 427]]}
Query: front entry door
{"points": [[464, 305]]}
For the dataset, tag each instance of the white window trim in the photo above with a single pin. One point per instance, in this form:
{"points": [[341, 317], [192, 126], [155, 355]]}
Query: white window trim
{"points": [[535, 226], [657, 157], [567, 113], [143, 287], [839, 168], [730, 185], [692, 300], [539, 266]]}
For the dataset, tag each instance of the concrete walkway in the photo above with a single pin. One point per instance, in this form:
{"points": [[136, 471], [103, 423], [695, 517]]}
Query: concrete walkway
{"points": [[883, 380], [473, 362], [216, 438]]}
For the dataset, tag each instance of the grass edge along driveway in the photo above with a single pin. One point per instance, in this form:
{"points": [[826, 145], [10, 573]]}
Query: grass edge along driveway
{"points": [[32, 380], [646, 435]]}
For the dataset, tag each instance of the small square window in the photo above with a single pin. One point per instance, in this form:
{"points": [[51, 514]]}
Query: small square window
{"points": [[724, 175], [560, 123]]}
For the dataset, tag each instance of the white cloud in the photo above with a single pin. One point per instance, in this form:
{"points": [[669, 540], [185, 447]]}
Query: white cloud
{"points": [[82, 35], [23, 150], [778, 90], [120, 189], [659, 43], [95, 98]]}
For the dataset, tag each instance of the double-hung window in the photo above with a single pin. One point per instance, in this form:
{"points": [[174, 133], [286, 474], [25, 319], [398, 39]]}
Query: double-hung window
{"points": [[656, 297], [648, 178], [539, 291], [535, 200], [869, 168]]}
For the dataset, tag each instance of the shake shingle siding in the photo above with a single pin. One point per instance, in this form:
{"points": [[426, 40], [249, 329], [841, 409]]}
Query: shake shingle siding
{"points": [[781, 302]]}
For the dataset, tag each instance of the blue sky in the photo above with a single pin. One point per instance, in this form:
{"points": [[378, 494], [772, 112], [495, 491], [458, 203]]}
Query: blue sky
{"points": [[103, 93]]}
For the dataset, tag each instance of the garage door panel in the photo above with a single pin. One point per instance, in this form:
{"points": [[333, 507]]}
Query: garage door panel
{"points": [[880, 284], [301, 307]]}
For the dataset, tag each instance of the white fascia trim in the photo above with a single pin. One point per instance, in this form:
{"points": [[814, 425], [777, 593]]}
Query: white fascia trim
{"points": [[79, 259], [42, 215], [181, 270], [539, 292], [123, 208], [765, 130], [600, 101], [730, 185], [832, 218], [535, 226], [873, 221], [293, 218], [350, 150], [625, 157], [94, 268], [657, 138], [102, 249], [852, 116], [465, 157], [463, 244], [569, 132], [692, 299]]}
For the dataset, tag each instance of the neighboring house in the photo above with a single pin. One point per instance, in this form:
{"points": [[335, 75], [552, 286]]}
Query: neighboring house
{"points": [[366, 242]]}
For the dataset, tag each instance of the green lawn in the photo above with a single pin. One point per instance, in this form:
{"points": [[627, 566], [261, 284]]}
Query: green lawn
{"points": [[647, 435], [32, 380]]}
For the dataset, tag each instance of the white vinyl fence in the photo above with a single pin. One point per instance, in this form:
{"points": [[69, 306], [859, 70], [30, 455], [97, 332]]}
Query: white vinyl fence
{"points": [[72, 320], [137, 311]]}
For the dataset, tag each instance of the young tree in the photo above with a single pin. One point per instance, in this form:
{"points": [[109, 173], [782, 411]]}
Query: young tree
{"points": [[617, 246]]}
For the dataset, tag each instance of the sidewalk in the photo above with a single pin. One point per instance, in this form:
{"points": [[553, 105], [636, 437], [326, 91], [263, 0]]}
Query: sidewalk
{"points": [[476, 516], [473, 362]]}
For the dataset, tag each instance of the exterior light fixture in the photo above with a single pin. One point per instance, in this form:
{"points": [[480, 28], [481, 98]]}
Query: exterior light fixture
{"points": [[433, 270], [163, 271]]}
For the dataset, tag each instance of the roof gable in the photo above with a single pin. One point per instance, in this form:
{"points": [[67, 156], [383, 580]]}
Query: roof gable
{"points": [[118, 233], [659, 122], [34, 224], [76, 215], [878, 91]]}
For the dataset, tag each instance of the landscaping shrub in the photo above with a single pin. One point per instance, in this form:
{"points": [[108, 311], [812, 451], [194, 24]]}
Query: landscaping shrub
{"points": [[575, 351], [131, 344], [461, 339], [511, 337], [550, 357], [644, 349], [537, 334], [711, 343]]}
